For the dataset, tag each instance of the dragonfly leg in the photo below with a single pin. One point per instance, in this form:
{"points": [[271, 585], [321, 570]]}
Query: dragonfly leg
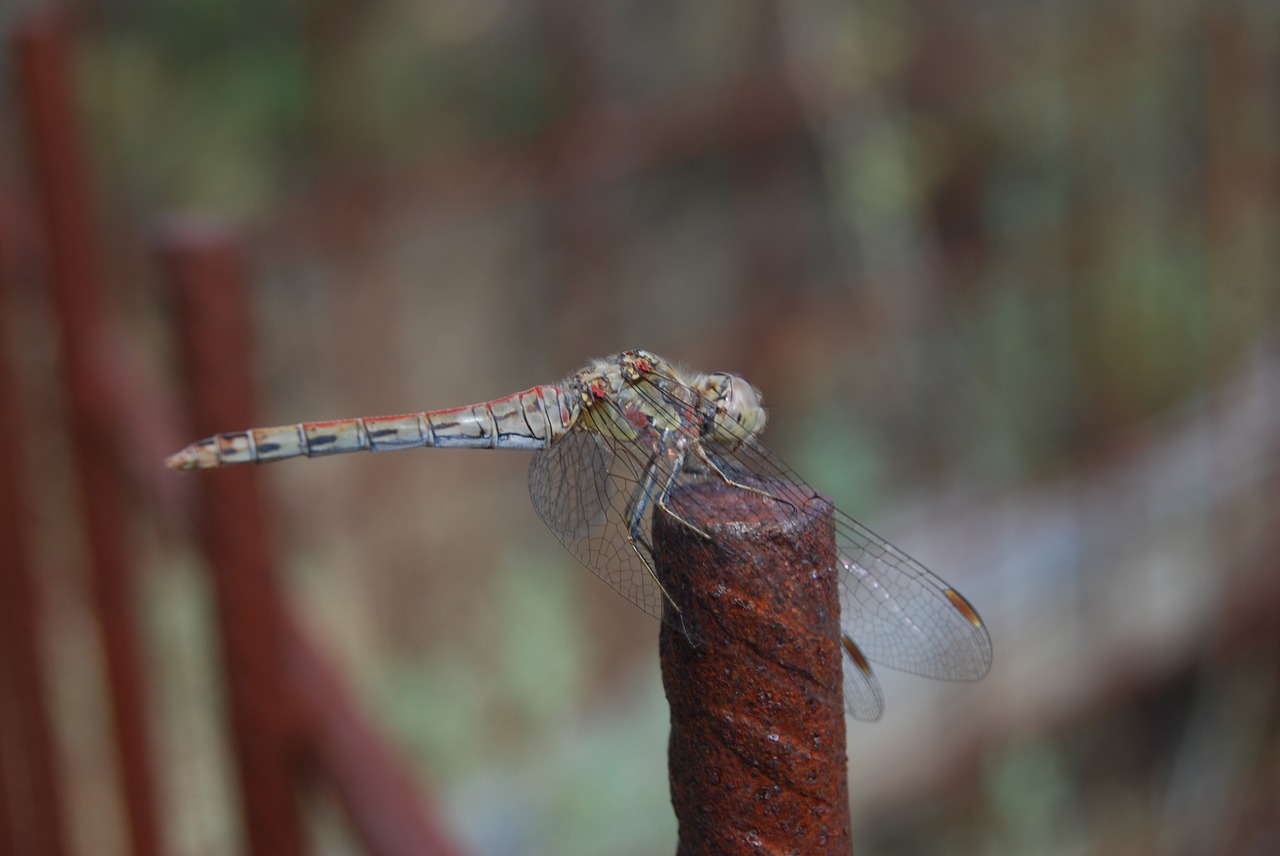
{"points": [[677, 467], [729, 480], [634, 511], [641, 498]]}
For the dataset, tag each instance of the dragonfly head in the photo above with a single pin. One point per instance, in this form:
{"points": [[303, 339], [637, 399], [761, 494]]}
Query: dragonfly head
{"points": [[739, 411]]}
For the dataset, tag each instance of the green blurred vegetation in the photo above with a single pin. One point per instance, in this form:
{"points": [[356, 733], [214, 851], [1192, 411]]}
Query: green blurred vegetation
{"points": [[229, 105]]}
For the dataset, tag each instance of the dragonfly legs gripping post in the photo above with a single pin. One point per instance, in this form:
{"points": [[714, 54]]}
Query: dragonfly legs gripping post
{"points": [[724, 477], [635, 509], [644, 495]]}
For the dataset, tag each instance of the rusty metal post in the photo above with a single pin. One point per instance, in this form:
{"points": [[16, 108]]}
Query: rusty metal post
{"points": [[42, 57], [31, 816], [203, 267], [751, 668]]}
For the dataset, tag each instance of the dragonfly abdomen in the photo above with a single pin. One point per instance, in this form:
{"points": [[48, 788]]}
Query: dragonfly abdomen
{"points": [[528, 420]]}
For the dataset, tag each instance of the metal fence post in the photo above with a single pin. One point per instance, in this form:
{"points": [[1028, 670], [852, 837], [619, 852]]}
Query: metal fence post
{"points": [[76, 280], [30, 817], [204, 271], [752, 671]]}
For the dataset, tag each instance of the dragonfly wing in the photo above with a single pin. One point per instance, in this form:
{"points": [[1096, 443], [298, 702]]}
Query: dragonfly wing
{"points": [[862, 696], [901, 614], [898, 613], [582, 487], [569, 484]]}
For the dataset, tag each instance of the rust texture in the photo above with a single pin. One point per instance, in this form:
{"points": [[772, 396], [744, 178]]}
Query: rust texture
{"points": [[751, 668], [41, 53], [204, 271], [30, 816]]}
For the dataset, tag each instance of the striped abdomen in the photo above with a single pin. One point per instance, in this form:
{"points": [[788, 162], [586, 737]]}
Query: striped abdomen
{"points": [[533, 419]]}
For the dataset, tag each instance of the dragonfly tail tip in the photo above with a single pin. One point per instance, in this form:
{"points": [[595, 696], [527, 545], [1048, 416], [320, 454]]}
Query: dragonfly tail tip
{"points": [[183, 461]]}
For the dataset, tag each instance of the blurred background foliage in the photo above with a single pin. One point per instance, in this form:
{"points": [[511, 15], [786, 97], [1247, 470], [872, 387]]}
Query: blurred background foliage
{"points": [[1005, 272]]}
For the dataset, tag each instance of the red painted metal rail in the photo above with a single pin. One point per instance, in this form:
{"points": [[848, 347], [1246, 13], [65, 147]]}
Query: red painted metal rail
{"points": [[291, 716], [289, 711], [31, 817], [76, 284], [205, 276]]}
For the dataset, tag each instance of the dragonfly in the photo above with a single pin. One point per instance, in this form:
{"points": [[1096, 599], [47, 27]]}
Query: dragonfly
{"points": [[610, 443]]}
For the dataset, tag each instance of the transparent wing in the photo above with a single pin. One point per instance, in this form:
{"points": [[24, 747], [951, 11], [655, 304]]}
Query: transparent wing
{"points": [[582, 487], [903, 615], [570, 485], [898, 613], [893, 610], [862, 696]]}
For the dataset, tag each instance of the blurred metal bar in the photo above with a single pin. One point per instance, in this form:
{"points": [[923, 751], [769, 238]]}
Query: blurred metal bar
{"points": [[1241, 172], [582, 219], [9, 842], [752, 671], [204, 272], [386, 810], [287, 705], [768, 198], [146, 421], [41, 48], [31, 816]]}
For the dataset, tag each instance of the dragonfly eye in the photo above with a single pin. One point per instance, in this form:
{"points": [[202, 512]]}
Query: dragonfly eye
{"points": [[739, 402]]}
